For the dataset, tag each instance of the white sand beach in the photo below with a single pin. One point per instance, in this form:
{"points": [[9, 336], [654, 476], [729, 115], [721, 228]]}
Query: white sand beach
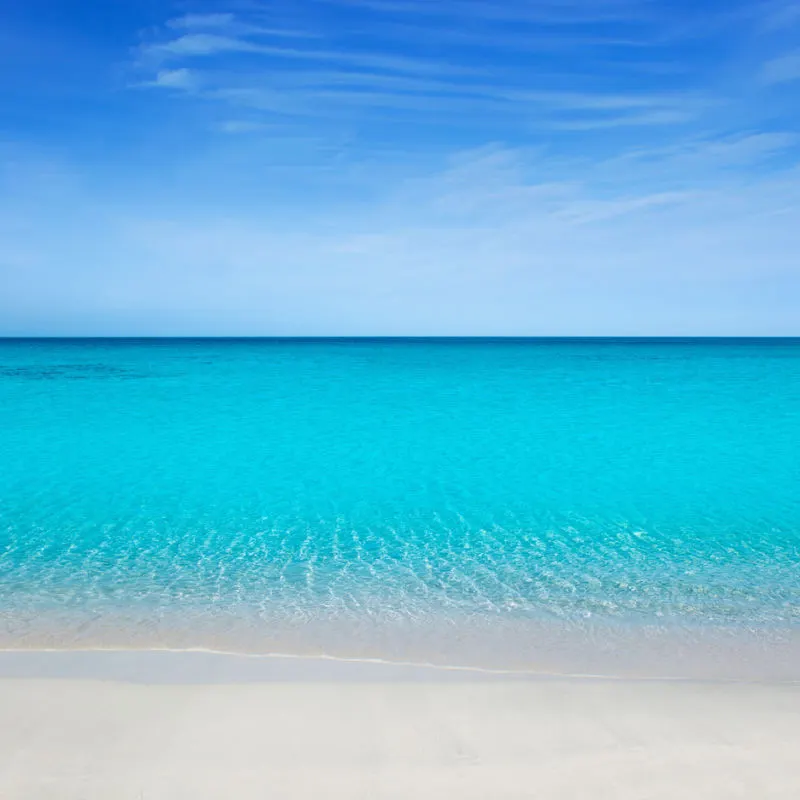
{"points": [[174, 726]]}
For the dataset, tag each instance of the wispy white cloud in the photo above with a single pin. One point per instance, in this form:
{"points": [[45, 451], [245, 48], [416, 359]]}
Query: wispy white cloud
{"points": [[181, 78], [600, 101], [646, 119], [783, 69], [230, 24], [193, 21], [483, 245], [246, 67], [201, 44], [554, 12], [212, 44], [726, 151], [530, 39], [342, 78], [235, 126], [268, 100], [355, 84], [342, 93], [203, 21], [582, 212], [776, 15], [314, 180]]}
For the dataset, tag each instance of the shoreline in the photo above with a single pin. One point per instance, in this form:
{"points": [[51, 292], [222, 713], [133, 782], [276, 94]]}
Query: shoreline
{"points": [[204, 665], [510, 647], [126, 725]]}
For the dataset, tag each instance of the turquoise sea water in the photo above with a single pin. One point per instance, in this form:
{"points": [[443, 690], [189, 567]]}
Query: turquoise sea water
{"points": [[258, 492]]}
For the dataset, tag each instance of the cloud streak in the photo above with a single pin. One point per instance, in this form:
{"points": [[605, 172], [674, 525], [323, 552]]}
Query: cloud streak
{"points": [[304, 81], [181, 78], [400, 166], [390, 62], [546, 12], [211, 44], [479, 247], [784, 69]]}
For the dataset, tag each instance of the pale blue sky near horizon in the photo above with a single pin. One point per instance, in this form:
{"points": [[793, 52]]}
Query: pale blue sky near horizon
{"points": [[400, 167]]}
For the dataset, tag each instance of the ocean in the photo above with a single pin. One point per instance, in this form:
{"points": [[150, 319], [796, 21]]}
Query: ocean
{"points": [[460, 501]]}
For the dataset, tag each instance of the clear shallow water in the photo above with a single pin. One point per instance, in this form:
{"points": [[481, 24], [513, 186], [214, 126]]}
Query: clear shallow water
{"points": [[344, 494]]}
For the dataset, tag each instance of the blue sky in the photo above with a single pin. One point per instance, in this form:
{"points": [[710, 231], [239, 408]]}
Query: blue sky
{"points": [[352, 167]]}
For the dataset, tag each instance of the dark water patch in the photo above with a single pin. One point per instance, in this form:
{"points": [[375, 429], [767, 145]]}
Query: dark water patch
{"points": [[75, 372]]}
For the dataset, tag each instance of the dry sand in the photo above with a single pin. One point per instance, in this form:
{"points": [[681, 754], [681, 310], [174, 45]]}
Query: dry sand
{"points": [[168, 727]]}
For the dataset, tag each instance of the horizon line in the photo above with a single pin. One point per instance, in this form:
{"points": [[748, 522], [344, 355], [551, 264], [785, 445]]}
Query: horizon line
{"points": [[387, 338]]}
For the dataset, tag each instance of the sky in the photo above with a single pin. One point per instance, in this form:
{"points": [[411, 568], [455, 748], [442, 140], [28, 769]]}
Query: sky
{"points": [[400, 167]]}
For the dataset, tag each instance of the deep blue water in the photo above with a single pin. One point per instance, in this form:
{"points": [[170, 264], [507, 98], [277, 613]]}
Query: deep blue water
{"points": [[380, 482]]}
